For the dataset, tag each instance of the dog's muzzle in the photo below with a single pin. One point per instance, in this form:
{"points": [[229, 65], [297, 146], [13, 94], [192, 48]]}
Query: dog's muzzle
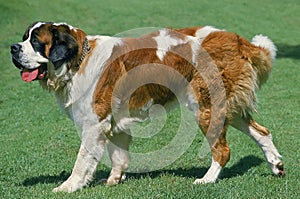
{"points": [[28, 75]]}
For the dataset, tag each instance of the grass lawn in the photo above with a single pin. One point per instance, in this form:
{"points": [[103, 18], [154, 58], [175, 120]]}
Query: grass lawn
{"points": [[39, 144]]}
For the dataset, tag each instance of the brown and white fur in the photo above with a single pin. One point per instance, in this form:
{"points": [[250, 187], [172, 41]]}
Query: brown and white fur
{"points": [[84, 82]]}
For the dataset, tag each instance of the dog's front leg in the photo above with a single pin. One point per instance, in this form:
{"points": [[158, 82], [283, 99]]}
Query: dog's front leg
{"points": [[82, 173], [90, 153]]}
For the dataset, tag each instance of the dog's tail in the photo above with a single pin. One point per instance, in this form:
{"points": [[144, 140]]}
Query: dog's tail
{"points": [[266, 43], [264, 53]]}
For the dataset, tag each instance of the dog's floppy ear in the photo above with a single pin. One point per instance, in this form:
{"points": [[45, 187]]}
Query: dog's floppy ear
{"points": [[64, 46]]}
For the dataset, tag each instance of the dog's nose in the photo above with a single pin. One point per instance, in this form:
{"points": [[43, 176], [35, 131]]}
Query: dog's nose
{"points": [[15, 48]]}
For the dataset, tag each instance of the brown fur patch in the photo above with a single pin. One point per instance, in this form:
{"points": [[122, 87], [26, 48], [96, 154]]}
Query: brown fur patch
{"points": [[44, 36], [188, 31], [261, 129]]}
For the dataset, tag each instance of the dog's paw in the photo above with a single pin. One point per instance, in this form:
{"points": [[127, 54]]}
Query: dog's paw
{"points": [[62, 189], [68, 186], [278, 169], [115, 179], [203, 181]]}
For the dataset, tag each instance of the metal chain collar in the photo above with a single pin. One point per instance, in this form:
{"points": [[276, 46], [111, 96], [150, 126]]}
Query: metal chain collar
{"points": [[86, 49]]}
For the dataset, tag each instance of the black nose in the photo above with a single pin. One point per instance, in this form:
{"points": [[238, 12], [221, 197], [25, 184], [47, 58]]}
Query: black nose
{"points": [[15, 48]]}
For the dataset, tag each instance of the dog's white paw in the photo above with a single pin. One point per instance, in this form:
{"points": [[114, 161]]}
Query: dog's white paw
{"points": [[278, 169], [68, 186], [115, 179], [203, 181], [63, 189]]}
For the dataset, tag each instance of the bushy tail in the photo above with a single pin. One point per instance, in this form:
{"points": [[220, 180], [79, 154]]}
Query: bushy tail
{"points": [[266, 43]]}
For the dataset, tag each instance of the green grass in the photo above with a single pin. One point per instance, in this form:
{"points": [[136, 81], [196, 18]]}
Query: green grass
{"points": [[39, 144]]}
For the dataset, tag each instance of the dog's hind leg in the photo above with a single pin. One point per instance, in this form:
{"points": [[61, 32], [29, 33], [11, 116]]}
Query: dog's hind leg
{"points": [[118, 152], [219, 148], [263, 138]]}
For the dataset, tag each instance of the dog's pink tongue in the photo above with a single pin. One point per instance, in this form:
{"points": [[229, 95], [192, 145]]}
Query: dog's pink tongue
{"points": [[29, 76]]}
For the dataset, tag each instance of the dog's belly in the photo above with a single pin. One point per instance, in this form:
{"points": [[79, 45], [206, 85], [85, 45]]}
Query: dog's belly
{"points": [[125, 116]]}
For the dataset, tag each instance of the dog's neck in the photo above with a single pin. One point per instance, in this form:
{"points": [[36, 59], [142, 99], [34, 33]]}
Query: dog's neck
{"points": [[85, 50]]}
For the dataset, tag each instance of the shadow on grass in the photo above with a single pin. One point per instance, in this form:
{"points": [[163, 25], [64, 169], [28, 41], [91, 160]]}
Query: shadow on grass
{"points": [[46, 179], [288, 51], [52, 179], [241, 167], [237, 169]]}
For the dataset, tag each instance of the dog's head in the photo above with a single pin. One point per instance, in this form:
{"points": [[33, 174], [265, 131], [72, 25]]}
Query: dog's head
{"points": [[47, 47]]}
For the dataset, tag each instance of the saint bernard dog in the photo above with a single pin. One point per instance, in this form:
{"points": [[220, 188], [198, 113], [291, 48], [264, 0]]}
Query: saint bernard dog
{"points": [[88, 76]]}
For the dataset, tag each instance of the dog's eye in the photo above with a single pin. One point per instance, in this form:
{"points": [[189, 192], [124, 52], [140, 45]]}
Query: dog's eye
{"points": [[34, 41]]}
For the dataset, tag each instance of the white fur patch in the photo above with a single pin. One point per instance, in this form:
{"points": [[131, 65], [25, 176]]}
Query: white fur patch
{"points": [[196, 41], [211, 175], [265, 141], [266, 43], [195, 46], [165, 42], [30, 58], [204, 32], [267, 146], [37, 25], [63, 23]]}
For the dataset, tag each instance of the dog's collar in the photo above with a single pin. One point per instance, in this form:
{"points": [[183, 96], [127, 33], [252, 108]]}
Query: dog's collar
{"points": [[85, 50]]}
